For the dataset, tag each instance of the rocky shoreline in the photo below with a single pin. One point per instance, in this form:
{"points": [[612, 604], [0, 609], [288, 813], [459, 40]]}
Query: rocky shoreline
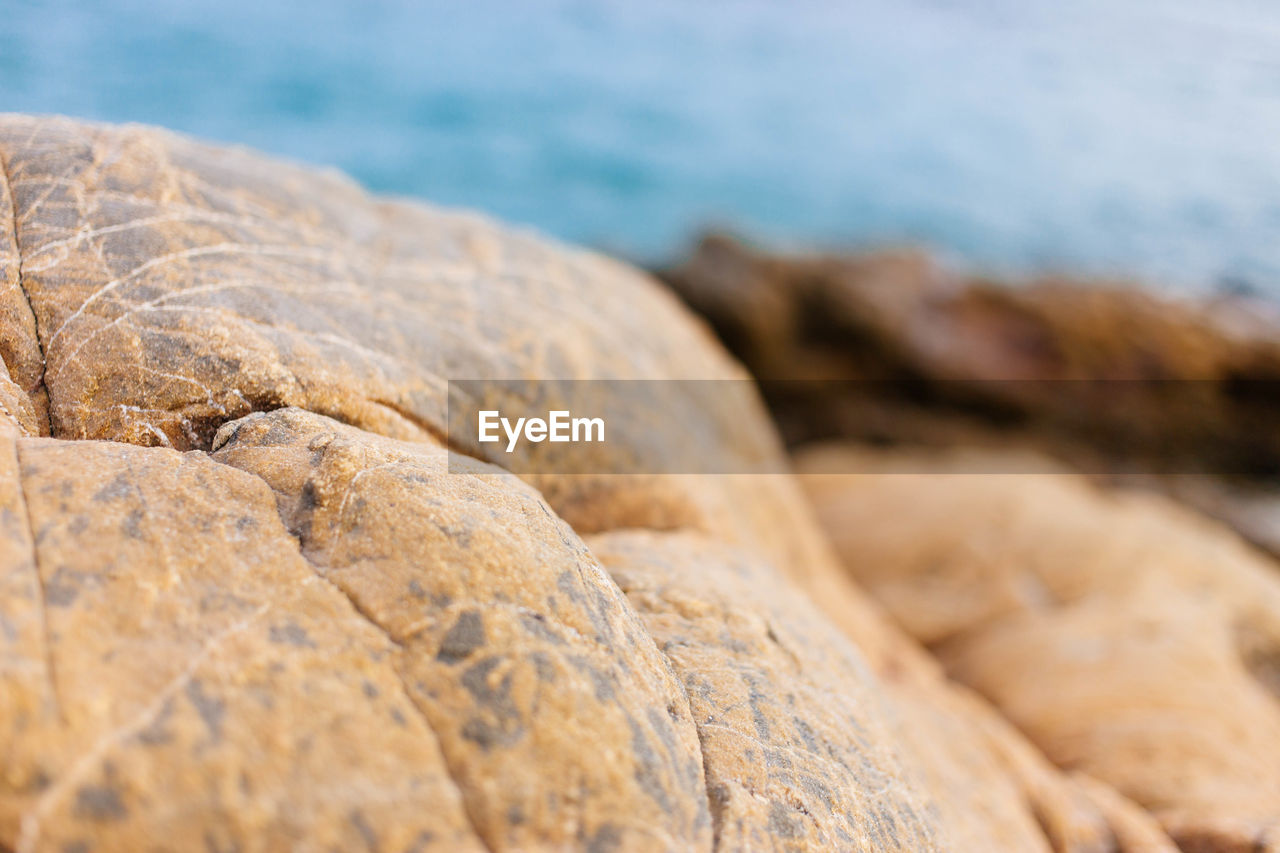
{"points": [[252, 598]]}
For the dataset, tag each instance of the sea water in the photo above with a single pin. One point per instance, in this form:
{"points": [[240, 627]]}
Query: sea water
{"points": [[1096, 136]]}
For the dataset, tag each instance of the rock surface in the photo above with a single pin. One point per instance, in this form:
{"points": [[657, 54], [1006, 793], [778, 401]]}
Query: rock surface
{"points": [[781, 704], [557, 714], [250, 601], [1129, 638], [174, 670]]}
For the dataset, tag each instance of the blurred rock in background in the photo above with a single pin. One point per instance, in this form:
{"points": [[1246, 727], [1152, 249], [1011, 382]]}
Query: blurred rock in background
{"points": [[891, 349]]}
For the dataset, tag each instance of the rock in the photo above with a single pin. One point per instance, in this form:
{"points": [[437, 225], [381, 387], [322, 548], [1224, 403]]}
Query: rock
{"points": [[16, 410], [752, 653], [19, 346], [1251, 508], [793, 736], [1127, 637], [889, 349], [173, 669], [556, 713], [255, 596], [177, 286]]}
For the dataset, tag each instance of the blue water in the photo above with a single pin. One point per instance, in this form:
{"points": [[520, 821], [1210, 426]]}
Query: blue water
{"points": [[1095, 136]]}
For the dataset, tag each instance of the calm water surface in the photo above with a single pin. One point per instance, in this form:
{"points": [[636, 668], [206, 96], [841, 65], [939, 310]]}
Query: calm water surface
{"points": [[1139, 137]]}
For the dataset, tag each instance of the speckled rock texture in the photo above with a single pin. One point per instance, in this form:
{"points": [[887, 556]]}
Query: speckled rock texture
{"points": [[1130, 639], [176, 671], [780, 700], [556, 712], [251, 601]]}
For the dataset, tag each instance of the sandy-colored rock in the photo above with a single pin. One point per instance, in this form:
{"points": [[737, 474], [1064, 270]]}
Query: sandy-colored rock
{"points": [[793, 736], [992, 790], [557, 715], [1134, 829], [177, 286], [20, 352], [780, 702], [1129, 638], [16, 410], [318, 628], [174, 671]]}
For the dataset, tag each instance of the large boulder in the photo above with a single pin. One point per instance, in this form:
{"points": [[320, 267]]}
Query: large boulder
{"points": [[254, 597]]}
